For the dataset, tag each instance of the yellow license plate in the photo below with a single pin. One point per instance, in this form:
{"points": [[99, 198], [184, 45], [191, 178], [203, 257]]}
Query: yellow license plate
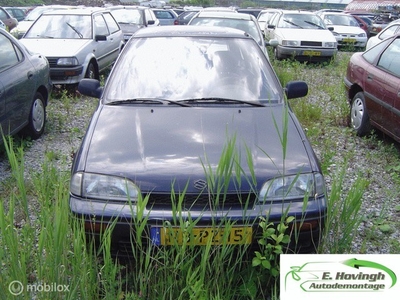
{"points": [[311, 53], [205, 235], [348, 40]]}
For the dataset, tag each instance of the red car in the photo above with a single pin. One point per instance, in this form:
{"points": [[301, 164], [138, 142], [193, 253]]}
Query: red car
{"points": [[373, 88], [362, 24]]}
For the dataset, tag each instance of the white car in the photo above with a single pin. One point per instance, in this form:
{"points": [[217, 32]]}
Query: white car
{"points": [[346, 29], [265, 16], [2, 25], [391, 29], [245, 22], [78, 43], [31, 17], [301, 35]]}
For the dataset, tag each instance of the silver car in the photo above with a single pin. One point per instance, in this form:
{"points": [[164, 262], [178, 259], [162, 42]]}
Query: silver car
{"points": [[78, 43]]}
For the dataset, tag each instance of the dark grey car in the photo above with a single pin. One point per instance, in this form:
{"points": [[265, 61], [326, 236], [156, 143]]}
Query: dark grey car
{"points": [[200, 135], [25, 88]]}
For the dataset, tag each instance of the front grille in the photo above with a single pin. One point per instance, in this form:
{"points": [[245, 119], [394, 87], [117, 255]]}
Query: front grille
{"points": [[311, 44], [52, 62], [201, 202]]}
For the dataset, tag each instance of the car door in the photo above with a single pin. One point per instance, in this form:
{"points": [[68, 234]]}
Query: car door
{"points": [[16, 86], [107, 50], [269, 30], [389, 61]]}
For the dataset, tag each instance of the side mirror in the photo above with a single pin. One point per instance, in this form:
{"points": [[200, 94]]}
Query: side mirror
{"points": [[100, 38], [296, 89], [272, 43], [330, 28], [90, 87], [151, 22]]}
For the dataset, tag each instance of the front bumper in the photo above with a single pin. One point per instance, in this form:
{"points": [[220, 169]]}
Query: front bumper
{"points": [[307, 53], [123, 219], [66, 75], [351, 41]]}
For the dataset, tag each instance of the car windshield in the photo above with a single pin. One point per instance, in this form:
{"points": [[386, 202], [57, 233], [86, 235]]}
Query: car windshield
{"points": [[61, 27], [344, 20], [302, 21], [128, 16], [193, 68], [245, 25]]}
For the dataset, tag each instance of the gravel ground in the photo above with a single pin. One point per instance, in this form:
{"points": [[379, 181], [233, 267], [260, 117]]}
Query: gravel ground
{"points": [[369, 158]]}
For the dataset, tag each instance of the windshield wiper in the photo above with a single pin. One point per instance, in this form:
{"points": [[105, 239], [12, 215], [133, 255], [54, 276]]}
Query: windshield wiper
{"points": [[291, 23], [76, 30], [147, 101], [316, 25], [224, 100]]}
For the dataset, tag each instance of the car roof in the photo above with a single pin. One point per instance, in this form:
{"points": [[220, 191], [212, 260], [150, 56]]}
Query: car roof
{"points": [[136, 7], [78, 11], [224, 14], [335, 13], [191, 31], [300, 12]]}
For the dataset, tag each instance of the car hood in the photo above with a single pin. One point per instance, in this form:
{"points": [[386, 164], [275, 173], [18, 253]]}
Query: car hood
{"points": [[309, 34], [347, 29], [158, 147], [55, 47]]}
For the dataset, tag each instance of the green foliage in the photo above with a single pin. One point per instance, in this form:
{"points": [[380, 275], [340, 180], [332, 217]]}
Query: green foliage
{"points": [[24, 2], [273, 242], [246, 4]]}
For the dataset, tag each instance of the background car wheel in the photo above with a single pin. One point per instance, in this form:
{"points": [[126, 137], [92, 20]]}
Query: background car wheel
{"points": [[359, 117], [91, 71], [37, 118]]}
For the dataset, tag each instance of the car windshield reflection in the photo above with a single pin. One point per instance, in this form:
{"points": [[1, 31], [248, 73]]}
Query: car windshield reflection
{"points": [[198, 69], [61, 27]]}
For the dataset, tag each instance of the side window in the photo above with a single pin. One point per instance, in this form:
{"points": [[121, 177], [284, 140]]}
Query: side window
{"points": [[389, 32], [100, 26], [111, 23], [374, 51], [3, 15], [390, 58], [163, 14], [9, 54]]}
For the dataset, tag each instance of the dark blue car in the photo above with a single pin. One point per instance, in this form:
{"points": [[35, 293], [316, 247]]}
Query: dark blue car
{"points": [[200, 137]]}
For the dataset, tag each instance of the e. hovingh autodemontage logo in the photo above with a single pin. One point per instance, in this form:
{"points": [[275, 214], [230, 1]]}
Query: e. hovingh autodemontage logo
{"points": [[351, 275]]}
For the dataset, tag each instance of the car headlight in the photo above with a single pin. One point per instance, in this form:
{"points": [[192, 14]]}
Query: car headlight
{"points": [[67, 61], [103, 187], [292, 187], [331, 45], [362, 35], [290, 43]]}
